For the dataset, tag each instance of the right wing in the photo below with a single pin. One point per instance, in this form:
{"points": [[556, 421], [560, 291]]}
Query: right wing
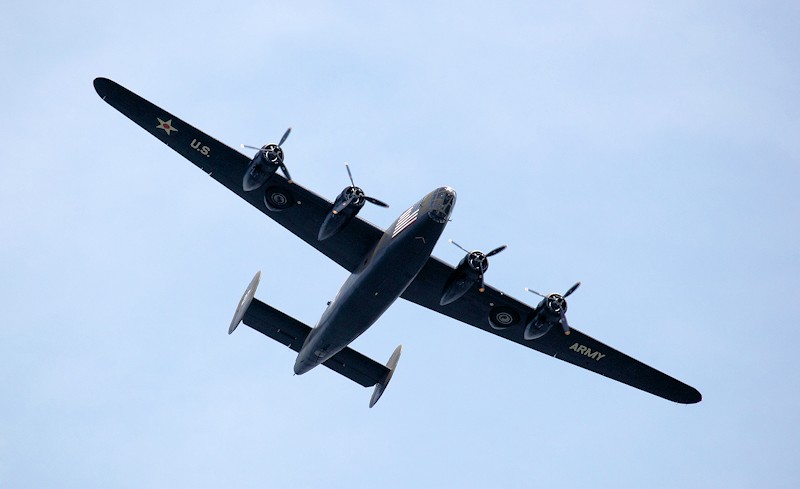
{"points": [[509, 317], [303, 211]]}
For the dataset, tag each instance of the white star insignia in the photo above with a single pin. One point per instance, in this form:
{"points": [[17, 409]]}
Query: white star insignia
{"points": [[166, 125]]}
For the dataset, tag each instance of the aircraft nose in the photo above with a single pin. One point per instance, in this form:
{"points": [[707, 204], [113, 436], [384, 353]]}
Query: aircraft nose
{"points": [[442, 204], [449, 191]]}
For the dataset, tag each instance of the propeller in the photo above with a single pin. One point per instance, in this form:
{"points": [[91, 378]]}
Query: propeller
{"points": [[285, 135], [558, 304], [274, 153], [572, 289], [479, 261], [356, 195]]}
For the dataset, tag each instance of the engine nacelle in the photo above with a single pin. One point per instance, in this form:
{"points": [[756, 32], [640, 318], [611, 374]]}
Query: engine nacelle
{"points": [[537, 326], [469, 271], [463, 278], [344, 209], [546, 315], [265, 163]]}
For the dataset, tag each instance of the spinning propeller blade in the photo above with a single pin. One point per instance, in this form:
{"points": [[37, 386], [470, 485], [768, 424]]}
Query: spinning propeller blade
{"points": [[283, 166], [375, 201], [286, 172], [283, 140], [496, 251], [285, 135], [534, 292], [571, 290], [357, 193], [459, 246], [564, 323], [349, 174]]}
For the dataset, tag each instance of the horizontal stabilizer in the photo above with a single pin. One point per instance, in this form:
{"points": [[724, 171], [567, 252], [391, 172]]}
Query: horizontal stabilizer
{"points": [[292, 333]]}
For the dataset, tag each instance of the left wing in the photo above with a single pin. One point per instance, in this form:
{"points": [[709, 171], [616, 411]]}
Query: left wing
{"points": [[296, 208], [509, 315]]}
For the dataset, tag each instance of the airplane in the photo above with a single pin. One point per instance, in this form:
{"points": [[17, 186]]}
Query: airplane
{"points": [[384, 264]]}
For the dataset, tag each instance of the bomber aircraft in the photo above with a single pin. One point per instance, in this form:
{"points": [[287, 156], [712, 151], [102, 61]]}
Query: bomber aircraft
{"points": [[384, 265]]}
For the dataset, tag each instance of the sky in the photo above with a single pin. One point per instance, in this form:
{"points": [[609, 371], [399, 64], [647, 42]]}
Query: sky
{"points": [[650, 150]]}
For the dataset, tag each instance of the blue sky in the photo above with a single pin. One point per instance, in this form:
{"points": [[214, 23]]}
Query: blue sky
{"points": [[650, 151]]}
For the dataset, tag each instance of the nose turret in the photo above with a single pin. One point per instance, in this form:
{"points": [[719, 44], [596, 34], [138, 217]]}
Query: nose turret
{"points": [[442, 204]]}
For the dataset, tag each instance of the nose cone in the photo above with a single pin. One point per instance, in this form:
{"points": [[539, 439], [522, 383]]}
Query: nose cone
{"points": [[449, 191]]}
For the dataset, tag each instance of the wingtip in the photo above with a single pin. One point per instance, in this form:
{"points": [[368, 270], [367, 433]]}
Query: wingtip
{"points": [[689, 396], [101, 86], [696, 397]]}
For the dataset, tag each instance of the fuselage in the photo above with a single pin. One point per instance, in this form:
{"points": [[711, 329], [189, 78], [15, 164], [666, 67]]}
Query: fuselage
{"points": [[384, 274]]}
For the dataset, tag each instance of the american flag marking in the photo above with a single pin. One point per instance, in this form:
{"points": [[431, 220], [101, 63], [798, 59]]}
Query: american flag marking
{"points": [[406, 219]]}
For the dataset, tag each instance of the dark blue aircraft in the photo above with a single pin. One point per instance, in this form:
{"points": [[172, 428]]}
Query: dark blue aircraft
{"points": [[384, 265]]}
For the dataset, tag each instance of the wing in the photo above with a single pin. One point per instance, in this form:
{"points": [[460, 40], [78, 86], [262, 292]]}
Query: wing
{"points": [[509, 317], [293, 206], [292, 333]]}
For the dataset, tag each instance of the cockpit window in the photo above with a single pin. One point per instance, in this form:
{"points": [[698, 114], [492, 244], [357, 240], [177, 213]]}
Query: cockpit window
{"points": [[442, 205]]}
